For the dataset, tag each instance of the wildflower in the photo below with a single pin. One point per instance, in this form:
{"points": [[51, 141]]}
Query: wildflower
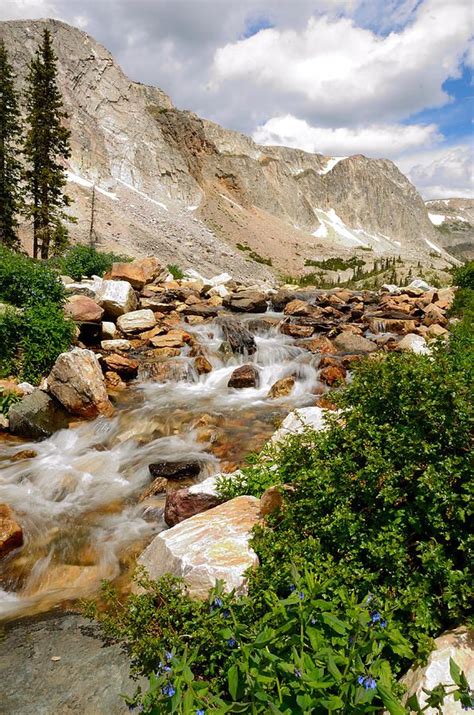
{"points": [[168, 655], [226, 613], [218, 602], [375, 617], [369, 598], [370, 684], [297, 673], [313, 621], [167, 668], [200, 712], [168, 690], [383, 623], [301, 595], [231, 642], [292, 587], [360, 680]]}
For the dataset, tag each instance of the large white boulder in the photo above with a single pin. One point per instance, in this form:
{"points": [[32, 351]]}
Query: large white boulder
{"points": [[458, 645], [116, 297], [413, 343], [207, 547], [76, 381], [136, 321], [298, 421]]}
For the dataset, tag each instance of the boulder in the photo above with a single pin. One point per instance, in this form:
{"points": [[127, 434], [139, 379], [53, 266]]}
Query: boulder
{"points": [[296, 331], [436, 331], [282, 387], [247, 301], [332, 374], [175, 470], [244, 376], [413, 343], [348, 342], [116, 298], [173, 370], [458, 645], [207, 547], [76, 380], [139, 272], [202, 365], [185, 503], [117, 344], [109, 331], [298, 308], [434, 314], [136, 321], [83, 309], [392, 325], [298, 421], [125, 367], [172, 339], [37, 416], [239, 338], [319, 344], [11, 534]]}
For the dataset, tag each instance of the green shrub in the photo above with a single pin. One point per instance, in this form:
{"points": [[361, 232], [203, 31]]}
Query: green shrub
{"points": [[175, 271], [86, 261], [46, 334], [11, 326], [7, 399], [24, 281], [381, 497], [463, 276]]}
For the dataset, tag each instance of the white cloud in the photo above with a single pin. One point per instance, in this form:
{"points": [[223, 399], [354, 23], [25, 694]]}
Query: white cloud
{"points": [[340, 73], [24, 9], [376, 140], [442, 173]]}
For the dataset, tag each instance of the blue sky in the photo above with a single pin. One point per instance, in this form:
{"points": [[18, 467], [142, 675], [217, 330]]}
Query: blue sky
{"points": [[386, 78]]}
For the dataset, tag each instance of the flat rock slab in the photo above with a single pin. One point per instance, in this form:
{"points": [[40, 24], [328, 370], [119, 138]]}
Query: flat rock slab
{"points": [[87, 680]]}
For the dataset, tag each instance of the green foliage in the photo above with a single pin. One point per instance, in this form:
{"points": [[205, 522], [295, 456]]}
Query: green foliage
{"points": [[46, 334], [10, 167], [382, 495], [336, 264], [11, 322], [463, 277], [46, 149], [7, 399], [87, 261], [24, 281], [176, 271]]}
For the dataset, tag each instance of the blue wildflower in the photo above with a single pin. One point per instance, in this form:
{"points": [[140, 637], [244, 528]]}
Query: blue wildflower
{"points": [[167, 668], [313, 621], [298, 673], [360, 680], [218, 602], [226, 613], [375, 617], [168, 690], [301, 595], [370, 684], [231, 642], [168, 655], [383, 624], [200, 712], [292, 587]]}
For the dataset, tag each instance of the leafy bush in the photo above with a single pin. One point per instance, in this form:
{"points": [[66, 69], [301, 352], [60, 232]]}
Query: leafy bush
{"points": [[380, 498], [175, 271], [7, 399], [11, 323], [24, 281], [86, 261], [464, 276]]}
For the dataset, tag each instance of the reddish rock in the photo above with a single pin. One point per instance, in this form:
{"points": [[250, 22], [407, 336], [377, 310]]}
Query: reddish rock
{"points": [[392, 325], [331, 375], [348, 361], [172, 339], [113, 381], [244, 376], [296, 331], [298, 308], [126, 367], [83, 309], [138, 272], [282, 387], [182, 504], [202, 365], [11, 534], [76, 380], [327, 361], [319, 344], [434, 315]]}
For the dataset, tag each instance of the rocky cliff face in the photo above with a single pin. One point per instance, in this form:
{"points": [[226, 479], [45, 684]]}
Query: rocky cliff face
{"points": [[454, 221], [170, 183]]}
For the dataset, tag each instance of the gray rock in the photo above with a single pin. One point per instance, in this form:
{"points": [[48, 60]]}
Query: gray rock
{"points": [[238, 337], [36, 416], [347, 342], [87, 679]]}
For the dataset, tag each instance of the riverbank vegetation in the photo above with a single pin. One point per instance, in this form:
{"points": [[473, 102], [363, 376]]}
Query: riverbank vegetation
{"points": [[366, 562]]}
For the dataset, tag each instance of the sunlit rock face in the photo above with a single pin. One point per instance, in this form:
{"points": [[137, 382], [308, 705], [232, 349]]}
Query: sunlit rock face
{"points": [[207, 547]]}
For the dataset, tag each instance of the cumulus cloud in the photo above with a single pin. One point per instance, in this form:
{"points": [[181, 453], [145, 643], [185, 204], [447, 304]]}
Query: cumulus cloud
{"points": [[376, 140], [24, 9], [346, 74], [442, 173]]}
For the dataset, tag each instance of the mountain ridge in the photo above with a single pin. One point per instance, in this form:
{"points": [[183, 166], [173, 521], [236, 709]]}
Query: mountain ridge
{"points": [[171, 182]]}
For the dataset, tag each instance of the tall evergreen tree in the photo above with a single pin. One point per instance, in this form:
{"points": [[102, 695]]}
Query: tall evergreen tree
{"points": [[10, 167], [46, 149]]}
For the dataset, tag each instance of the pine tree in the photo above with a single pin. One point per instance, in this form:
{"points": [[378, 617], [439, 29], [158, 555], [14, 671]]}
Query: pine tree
{"points": [[10, 167], [46, 149]]}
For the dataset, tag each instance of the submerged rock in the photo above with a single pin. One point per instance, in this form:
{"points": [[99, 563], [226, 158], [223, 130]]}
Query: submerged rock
{"points": [[11, 534], [207, 547], [36, 416], [175, 470], [282, 387], [76, 380]]}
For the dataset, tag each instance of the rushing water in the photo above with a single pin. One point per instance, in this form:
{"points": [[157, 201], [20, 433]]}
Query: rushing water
{"points": [[76, 493]]}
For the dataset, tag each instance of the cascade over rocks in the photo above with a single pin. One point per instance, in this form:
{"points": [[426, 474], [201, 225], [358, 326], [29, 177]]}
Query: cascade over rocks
{"points": [[207, 547], [76, 381], [282, 387], [11, 534], [238, 336]]}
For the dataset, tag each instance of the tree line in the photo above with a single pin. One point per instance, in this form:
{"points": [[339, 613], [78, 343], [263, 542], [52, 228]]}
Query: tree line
{"points": [[33, 151]]}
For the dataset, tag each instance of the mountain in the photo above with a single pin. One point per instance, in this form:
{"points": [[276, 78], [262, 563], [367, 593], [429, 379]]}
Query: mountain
{"points": [[454, 221], [196, 194]]}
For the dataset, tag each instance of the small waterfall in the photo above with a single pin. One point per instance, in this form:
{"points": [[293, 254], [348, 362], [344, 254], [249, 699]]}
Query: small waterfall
{"points": [[78, 498]]}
